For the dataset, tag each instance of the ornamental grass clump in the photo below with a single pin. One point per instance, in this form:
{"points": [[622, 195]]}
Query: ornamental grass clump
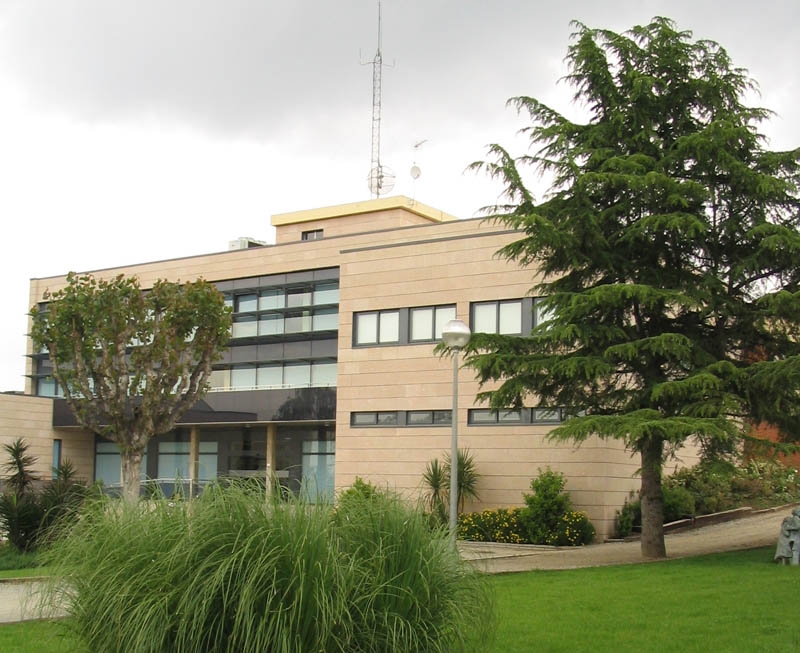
{"points": [[230, 571]]}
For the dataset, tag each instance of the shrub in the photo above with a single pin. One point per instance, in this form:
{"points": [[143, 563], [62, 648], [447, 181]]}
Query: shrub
{"points": [[628, 517], [678, 503], [500, 525], [545, 507], [573, 529], [230, 571]]}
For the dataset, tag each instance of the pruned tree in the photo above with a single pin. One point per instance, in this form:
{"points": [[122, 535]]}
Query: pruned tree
{"points": [[131, 362], [669, 247]]}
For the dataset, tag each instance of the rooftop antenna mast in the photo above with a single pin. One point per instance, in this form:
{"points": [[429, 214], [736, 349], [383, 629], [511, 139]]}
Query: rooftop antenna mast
{"points": [[381, 178]]}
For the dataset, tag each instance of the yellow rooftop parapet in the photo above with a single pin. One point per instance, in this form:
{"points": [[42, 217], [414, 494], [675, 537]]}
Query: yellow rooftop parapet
{"points": [[357, 208]]}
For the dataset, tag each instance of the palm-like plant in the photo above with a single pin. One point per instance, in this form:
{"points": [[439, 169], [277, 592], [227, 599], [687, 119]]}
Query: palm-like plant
{"points": [[437, 481], [467, 481], [19, 477]]}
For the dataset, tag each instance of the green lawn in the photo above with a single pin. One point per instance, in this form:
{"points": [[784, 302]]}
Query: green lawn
{"points": [[727, 602], [23, 573]]}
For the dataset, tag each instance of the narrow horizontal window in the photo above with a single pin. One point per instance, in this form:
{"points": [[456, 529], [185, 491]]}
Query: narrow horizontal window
{"points": [[374, 418], [546, 415]]}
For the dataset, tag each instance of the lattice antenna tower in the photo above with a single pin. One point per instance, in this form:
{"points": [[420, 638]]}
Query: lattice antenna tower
{"points": [[381, 178]]}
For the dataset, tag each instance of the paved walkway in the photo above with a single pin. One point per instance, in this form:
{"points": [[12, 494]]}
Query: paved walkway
{"points": [[755, 530], [18, 600]]}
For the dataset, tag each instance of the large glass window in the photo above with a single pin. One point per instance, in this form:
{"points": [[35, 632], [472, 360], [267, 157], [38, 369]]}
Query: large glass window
{"points": [[246, 303], [327, 293], [244, 327], [318, 469], [243, 376], [207, 461], [298, 297], [220, 379], [377, 327], [297, 322], [270, 299], [270, 325], [426, 323], [269, 376], [297, 374], [503, 317], [108, 464], [323, 374], [325, 319], [173, 460]]}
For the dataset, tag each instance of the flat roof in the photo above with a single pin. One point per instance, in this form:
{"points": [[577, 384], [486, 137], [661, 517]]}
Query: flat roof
{"points": [[368, 206]]}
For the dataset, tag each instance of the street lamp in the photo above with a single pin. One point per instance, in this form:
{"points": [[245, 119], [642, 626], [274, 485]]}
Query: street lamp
{"points": [[455, 335]]}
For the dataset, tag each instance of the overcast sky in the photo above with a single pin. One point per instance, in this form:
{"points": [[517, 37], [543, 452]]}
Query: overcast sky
{"points": [[137, 130]]}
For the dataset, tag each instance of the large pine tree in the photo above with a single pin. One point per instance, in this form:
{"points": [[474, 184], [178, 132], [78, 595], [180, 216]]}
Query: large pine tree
{"points": [[670, 251]]}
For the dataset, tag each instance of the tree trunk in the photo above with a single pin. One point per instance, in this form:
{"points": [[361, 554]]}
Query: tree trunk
{"points": [[652, 499], [131, 471]]}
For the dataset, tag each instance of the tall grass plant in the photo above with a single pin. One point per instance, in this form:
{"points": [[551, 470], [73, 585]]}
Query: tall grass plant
{"points": [[231, 571]]}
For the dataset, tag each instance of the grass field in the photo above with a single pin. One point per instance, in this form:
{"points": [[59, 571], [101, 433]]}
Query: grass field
{"points": [[737, 601]]}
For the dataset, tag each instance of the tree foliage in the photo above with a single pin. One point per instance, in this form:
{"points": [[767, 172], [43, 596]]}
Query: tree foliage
{"points": [[668, 243], [131, 362]]}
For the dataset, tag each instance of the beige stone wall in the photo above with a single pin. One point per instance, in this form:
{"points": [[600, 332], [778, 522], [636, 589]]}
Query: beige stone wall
{"points": [[31, 418], [366, 222], [461, 267]]}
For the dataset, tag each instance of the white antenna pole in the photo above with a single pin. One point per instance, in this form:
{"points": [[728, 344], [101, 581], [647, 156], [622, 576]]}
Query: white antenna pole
{"points": [[380, 179], [377, 65]]}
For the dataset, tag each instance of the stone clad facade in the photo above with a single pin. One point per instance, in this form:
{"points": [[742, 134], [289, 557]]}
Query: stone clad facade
{"points": [[331, 372]]}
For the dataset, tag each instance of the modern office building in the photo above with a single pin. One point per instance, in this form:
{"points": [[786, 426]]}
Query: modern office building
{"points": [[331, 372]]}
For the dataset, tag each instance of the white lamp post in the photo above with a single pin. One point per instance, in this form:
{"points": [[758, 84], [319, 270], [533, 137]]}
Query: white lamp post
{"points": [[455, 335]]}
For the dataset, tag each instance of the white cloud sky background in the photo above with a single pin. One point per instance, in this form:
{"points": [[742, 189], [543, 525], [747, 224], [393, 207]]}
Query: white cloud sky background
{"points": [[137, 130]]}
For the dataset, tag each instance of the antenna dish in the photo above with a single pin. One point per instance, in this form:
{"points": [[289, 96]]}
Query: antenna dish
{"points": [[380, 180], [415, 172]]}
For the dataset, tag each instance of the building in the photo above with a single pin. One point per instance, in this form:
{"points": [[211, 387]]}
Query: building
{"points": [[331, 372]]}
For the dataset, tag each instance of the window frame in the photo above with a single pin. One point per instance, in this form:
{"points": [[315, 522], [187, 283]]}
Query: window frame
{"points": [[378, 315], [435, 308]]}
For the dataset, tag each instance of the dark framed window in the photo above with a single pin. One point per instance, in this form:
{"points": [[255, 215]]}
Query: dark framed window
{"points": [[374, 418], [312, 234], [56, 456], [426, 323], [428, 417], [489, 416], [540, 415], [504, 317], [377, 327]]}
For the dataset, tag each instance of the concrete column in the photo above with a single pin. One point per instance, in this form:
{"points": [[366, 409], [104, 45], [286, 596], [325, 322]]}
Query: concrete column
{"points": [[272, 439], [194, 457]]}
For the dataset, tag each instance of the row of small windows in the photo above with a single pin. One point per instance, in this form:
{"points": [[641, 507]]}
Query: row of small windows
{"points": [[475, 416], [425, 324], [390, 418], [275, 375], [478, 416]]}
